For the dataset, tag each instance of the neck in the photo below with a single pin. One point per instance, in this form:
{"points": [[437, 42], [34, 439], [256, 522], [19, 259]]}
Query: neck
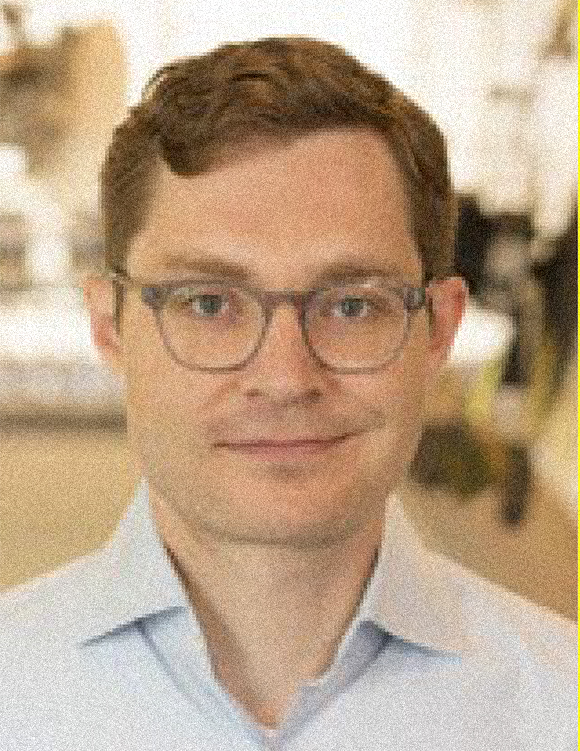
{"points": [[272, 616]]}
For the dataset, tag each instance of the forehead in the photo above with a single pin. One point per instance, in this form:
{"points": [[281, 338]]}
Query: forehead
{"points": [[328, 197]]}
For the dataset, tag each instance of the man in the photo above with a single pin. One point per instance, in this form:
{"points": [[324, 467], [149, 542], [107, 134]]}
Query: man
{"points": [[279, 229]]}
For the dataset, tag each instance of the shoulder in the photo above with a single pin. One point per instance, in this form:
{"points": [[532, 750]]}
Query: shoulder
{"points": [[42, 610], [54, 692], [513, 626]]}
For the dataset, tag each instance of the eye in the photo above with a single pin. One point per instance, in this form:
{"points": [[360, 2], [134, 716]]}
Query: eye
{"points": [[200, 302], [353, 307], [357, 305], [208, 305]]}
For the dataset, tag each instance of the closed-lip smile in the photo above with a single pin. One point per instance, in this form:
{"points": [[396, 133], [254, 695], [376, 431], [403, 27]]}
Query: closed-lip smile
{"points": [[291, 450], [286, 442]]}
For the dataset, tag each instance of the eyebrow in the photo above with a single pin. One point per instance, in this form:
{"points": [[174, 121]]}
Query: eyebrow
{"points": [[339, 270]]}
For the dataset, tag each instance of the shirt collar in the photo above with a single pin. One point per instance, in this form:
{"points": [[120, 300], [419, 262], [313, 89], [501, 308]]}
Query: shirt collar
{"points": [[411, 593], [130, 578]]}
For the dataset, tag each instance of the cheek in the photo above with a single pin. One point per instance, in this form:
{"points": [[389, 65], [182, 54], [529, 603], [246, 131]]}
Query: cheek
{"points": [[159, 400], [401, 388], [399, 398], [410, 392], [156, 385]]}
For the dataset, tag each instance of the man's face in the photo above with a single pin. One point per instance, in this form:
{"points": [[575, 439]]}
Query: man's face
{"points": [[284, 215]]}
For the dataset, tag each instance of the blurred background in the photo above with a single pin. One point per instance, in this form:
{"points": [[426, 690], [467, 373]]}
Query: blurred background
{"points": [[495, 480]]}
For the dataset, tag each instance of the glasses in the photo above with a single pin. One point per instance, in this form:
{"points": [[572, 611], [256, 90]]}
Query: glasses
{"points": [[358, 326]]}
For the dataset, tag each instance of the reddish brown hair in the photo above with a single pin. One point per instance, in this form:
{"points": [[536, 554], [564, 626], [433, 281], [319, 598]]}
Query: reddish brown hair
{"points": [[197, 109]]}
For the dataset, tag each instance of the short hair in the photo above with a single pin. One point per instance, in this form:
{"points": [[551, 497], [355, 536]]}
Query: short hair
{"points": [[276, 89]]}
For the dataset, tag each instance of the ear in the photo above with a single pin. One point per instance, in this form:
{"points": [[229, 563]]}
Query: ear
{"points": [[448, 298], [99, 297]]}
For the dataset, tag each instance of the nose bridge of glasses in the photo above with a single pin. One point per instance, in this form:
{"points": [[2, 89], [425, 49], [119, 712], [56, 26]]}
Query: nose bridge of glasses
{"points": [[274, 299], [291, 300]]}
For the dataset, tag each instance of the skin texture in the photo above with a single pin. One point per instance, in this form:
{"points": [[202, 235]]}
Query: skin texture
{"points": [[275, 558]]}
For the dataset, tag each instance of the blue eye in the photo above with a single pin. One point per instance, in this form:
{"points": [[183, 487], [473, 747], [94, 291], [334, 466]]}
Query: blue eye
{"points": [[199, 303], [351, 306], [208, 304]]}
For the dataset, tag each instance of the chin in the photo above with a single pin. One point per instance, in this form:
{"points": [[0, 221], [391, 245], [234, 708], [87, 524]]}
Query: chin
{"points": [[279, 530], [316, 515]]}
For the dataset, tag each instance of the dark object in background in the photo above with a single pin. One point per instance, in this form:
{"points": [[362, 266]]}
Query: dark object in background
{"points": [[514, 230], [558, 278], [515, 490], [450, 456], [474, 235]]}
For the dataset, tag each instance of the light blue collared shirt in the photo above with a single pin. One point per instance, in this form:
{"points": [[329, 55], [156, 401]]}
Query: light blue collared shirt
{"points": [[106, 654]]}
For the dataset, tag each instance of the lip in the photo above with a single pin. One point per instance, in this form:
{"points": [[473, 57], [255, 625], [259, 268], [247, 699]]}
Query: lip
{"points": [[295, 449]]}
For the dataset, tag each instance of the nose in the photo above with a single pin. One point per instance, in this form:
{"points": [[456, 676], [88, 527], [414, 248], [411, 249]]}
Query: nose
{"points": [[284, 368]]}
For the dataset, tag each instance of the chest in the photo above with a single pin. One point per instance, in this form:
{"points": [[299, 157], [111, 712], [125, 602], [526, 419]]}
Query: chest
{"points": [[118, 695]]}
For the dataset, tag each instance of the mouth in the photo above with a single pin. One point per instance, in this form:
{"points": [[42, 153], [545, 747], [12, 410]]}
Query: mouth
{"points": [[290, 449]]}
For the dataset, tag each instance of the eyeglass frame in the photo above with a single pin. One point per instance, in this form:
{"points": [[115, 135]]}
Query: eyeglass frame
{"points": [[154, 297]]}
